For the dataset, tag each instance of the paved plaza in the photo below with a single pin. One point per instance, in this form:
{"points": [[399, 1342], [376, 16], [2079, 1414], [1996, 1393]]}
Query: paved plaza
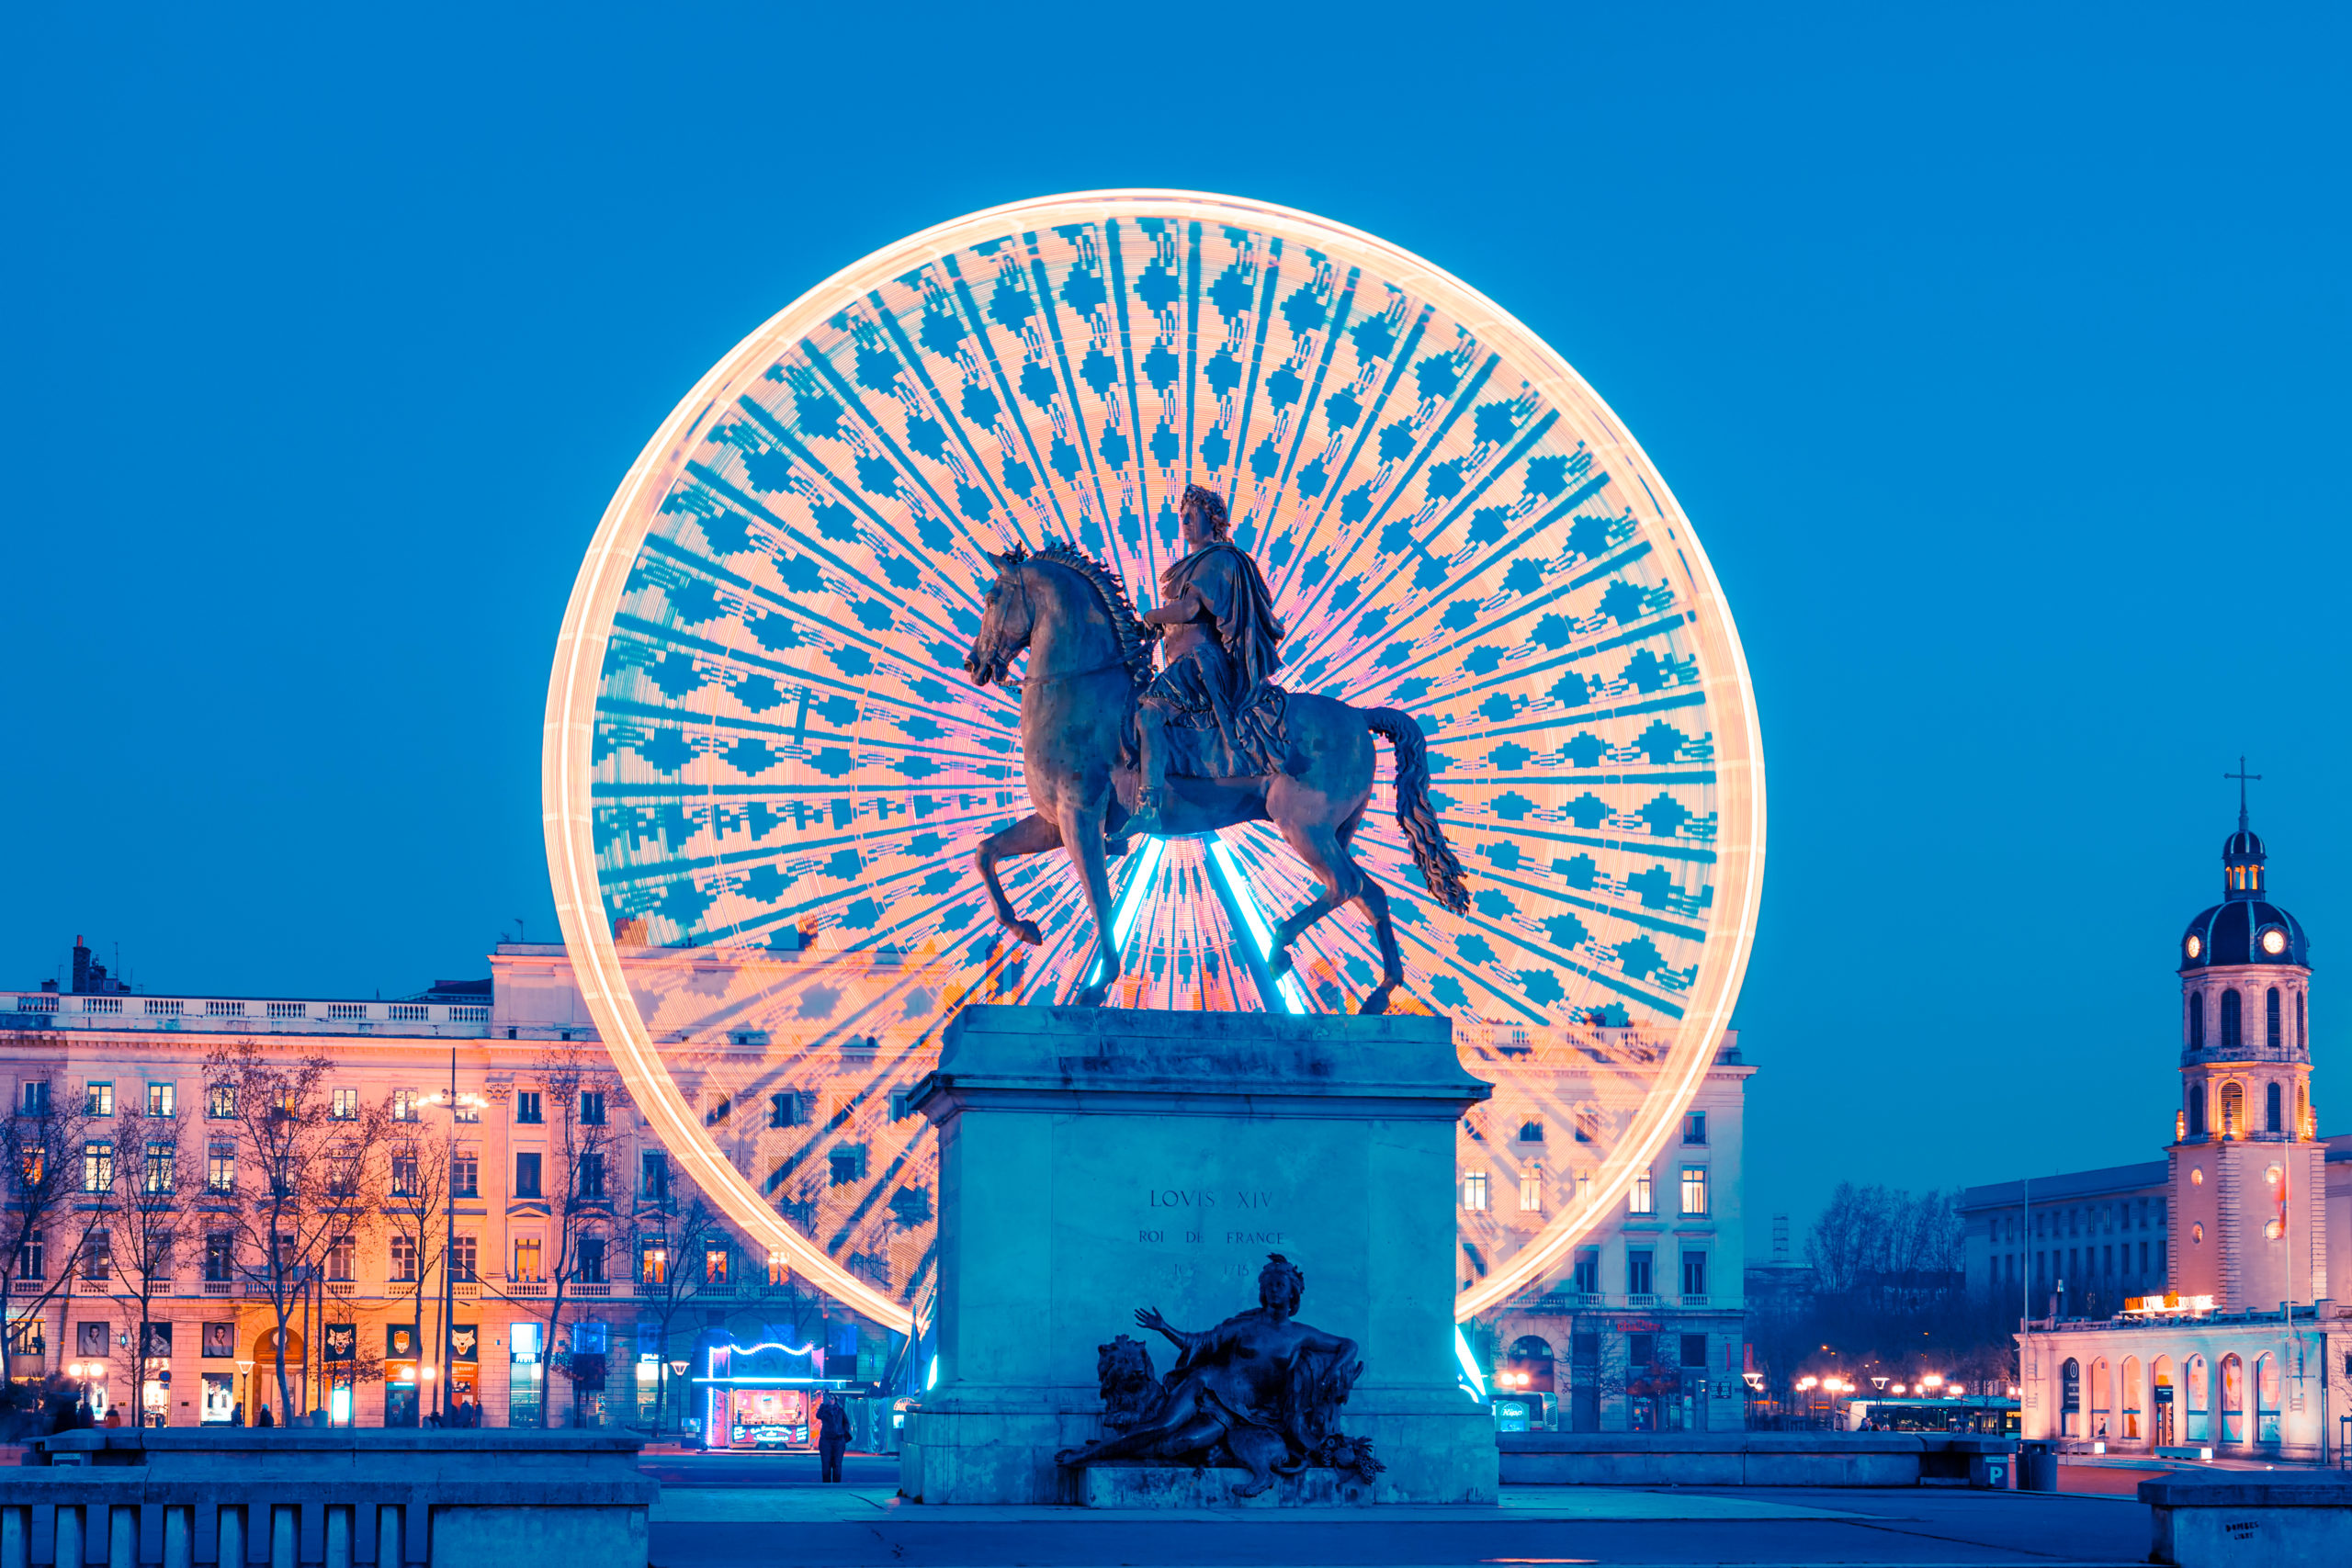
{"points": [[723, 1510]]}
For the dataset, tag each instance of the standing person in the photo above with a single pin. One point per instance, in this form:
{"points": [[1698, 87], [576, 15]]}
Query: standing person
{"points": [[833, 1436], [263, 1418]]}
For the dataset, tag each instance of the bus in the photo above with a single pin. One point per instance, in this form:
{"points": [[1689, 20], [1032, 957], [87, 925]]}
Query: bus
{"points": [[1984, 1417]]}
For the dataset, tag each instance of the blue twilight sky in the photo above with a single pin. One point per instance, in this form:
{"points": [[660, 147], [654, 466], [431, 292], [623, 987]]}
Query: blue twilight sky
{"points": [[1997, 355]]}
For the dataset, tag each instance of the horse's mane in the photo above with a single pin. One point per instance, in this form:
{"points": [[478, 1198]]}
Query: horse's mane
{"points": [[1135, 645]]}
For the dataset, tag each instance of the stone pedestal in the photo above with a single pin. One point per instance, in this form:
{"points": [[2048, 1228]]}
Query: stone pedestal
{"points": [[1097, 1160]]}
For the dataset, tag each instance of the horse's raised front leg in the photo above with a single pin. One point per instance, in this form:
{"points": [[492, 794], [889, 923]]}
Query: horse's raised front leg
{"points": [[1033, 834], [1081, 839]]}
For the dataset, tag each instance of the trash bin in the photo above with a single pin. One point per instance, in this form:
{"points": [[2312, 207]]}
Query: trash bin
{"points": [[2038, 1467]]}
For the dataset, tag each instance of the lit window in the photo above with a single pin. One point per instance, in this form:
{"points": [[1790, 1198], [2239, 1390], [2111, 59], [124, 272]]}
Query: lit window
{"points": [[1694, 1188], [220, 1168], [220, 1101], [1474, 1191], [404, 1104], [101, 1099], [162, 1167], [404, 1171], [779, 1273], [653, 1265], [163, 1099], [1531, 1189], [342, 1254], [1641, 1199], [714, 1266], [97, 1166], [527, 1259], [403, 1259], [345, 1106]]}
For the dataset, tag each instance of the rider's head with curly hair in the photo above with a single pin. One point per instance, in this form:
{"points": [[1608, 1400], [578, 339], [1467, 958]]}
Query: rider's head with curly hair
{"points": [[1280, 1283], [1212, 506]]}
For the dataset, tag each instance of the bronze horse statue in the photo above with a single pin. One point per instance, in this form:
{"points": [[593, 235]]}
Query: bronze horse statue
{"points": [[1089, 657]]}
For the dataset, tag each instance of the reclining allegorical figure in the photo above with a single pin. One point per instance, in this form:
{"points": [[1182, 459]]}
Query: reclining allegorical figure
{"points": [[1261, 1390]]}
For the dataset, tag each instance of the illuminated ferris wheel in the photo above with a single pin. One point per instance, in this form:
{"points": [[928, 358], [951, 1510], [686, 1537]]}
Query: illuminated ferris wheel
{"points": [[766, 770]]}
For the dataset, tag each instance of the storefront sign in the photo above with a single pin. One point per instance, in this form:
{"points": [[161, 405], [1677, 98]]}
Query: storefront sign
{"points": [[465, 1342], [400, 1340], [343, 1341], [220, 1340], [157, 1338]]}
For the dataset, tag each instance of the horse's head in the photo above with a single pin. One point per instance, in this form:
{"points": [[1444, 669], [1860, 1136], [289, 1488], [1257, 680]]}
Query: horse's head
{"points": [[1007, 620]]}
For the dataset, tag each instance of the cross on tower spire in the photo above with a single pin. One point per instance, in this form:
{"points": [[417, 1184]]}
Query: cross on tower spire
{"points": [[2242, 776]]}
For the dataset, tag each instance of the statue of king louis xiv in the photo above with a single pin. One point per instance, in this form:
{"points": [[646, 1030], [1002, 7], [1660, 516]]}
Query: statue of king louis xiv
{"points": [[1212, 711]]}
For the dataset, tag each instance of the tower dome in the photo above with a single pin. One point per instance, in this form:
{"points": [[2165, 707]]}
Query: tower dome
{"points": [[2245, 926]]}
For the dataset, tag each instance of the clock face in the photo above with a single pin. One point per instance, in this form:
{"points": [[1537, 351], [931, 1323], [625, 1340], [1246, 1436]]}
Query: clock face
{"points": [[2196, 946], [2274, 942]]}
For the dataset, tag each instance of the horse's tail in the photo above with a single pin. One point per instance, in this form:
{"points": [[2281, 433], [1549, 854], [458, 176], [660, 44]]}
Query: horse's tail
{"points": [[1439, 870]]}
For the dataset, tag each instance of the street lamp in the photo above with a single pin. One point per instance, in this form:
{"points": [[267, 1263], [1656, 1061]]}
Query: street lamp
{"points": [[475, 1102]]}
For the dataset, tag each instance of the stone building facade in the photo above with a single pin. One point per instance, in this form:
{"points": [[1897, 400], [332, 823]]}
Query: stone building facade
{"points": [[466, 1060], [1645, 1328]]}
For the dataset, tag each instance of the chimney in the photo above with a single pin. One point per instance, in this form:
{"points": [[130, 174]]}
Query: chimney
{"points": [[81, 968], [1779, 1238]]}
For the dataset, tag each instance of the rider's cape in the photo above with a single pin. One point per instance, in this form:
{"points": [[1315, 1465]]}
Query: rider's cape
{"points": [[1225, 710]]}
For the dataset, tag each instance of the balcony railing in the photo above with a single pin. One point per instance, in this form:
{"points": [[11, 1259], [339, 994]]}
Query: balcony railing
{"points": [[1640, 1299], [525, 1288], [1691, 1301], [219, 1287]]}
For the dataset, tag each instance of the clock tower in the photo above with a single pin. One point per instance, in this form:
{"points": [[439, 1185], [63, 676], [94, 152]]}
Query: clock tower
{"points": [[2248, 1223]]}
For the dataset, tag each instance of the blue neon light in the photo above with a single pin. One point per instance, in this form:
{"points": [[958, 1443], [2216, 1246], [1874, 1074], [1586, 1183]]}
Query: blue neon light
{"points": [[1294, 997]]}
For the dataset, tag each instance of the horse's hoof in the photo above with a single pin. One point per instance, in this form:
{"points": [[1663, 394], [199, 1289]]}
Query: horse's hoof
{"points": [[1091, 997], [1279, 964], [1377, 1001], [1027, 932]]}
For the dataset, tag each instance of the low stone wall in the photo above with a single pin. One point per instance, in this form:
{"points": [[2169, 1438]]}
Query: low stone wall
{"points": [[1746, 1458], [2207, 1518], [449, 1499]]}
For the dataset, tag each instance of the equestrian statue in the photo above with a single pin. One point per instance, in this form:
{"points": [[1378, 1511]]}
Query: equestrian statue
{"points": [[1111, 750]]}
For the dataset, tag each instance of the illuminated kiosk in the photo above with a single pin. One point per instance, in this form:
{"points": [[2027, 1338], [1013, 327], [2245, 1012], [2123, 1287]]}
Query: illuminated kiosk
{"points": [[1093, 1162], [763, 1395], [766, 770]]}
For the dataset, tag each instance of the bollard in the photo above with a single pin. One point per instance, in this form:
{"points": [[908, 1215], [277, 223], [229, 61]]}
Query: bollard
{"points": [[233, 1551], [285, 1535], [179, 1536], [391, 1532]]}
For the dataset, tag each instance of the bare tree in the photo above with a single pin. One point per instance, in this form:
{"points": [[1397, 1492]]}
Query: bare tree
{"points": [[41, 1234], [420, 1164], [579, 1094], [147, 1212], [670, 1241], [310, 1174]]}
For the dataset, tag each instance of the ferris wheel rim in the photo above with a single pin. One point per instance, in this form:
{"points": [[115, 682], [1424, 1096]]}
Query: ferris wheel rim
{"points": [[568, 741]]}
